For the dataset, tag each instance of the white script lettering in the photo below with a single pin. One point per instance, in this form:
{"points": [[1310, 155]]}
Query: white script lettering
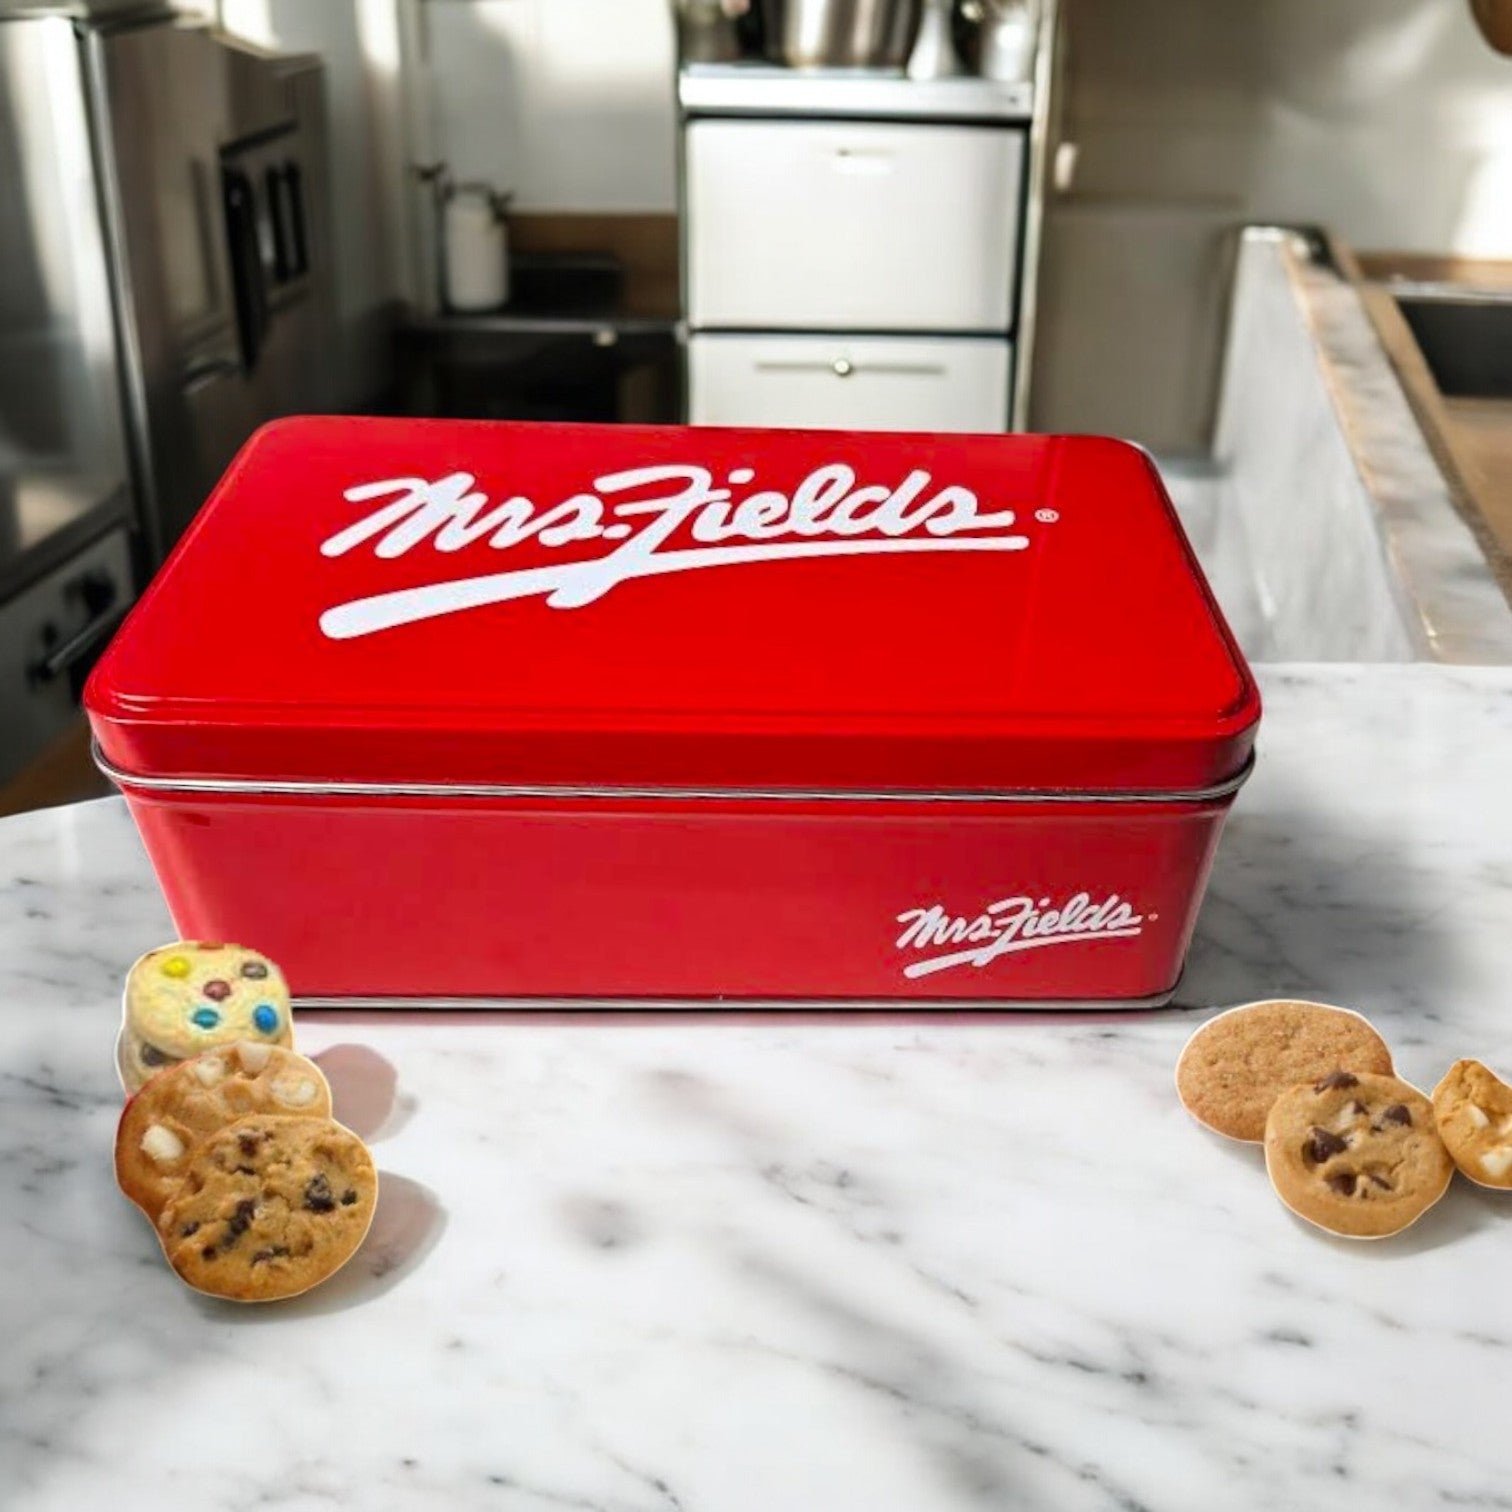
{"points": [[640, 510], [1018, 923]]}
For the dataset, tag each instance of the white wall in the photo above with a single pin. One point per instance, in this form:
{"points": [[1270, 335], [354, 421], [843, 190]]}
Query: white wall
{"points": [[1389, 121], [569, 103]]}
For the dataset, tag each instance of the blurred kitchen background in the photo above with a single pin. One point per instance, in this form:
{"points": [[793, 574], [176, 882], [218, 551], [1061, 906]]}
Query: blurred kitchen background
{"points": [[1270, 242]]}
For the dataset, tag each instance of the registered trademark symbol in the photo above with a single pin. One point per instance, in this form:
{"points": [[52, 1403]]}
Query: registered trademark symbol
{"points": [[1047, 516]]}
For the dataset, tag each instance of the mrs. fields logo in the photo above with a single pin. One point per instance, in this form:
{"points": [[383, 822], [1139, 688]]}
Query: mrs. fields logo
{"points": [[646, 522], [1010, 924]]}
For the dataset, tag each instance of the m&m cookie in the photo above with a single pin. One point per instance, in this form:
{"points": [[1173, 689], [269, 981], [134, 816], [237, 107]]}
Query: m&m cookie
{"points": [[186, 998]]}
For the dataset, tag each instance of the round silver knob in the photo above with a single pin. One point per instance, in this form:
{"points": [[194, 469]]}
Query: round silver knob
{"points": [[843, 369]]}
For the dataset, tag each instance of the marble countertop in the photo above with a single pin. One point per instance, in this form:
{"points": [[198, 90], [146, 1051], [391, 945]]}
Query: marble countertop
{"points": [[850, 1263]]}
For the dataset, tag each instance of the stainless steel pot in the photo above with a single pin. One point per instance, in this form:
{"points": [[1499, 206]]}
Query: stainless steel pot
{"points": [[841, 33]]}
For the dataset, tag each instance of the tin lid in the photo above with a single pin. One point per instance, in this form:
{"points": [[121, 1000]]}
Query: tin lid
{"points": [[396, 601]]}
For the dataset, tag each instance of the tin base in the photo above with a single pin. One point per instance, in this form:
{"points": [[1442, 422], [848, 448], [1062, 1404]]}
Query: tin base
{"points": [[666, 904]]}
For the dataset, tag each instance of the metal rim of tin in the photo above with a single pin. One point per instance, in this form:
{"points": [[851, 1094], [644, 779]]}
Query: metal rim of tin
{"points": [[308, 789], [360, 1002]]}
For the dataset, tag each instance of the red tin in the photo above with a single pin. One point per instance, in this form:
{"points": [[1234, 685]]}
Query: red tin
{"points": [[445, 711]]}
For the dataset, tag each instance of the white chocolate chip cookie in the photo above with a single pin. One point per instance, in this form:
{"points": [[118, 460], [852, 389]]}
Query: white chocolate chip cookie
{"points": [[182, 1106], [1474, 1111]]}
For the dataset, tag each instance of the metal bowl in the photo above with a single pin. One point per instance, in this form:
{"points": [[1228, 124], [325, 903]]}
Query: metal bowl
{"points": [[841, 33]]}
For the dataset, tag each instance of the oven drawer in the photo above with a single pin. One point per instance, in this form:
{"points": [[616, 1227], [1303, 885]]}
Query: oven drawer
{"points": [[908, 383], [841, 225], [50, 633]]}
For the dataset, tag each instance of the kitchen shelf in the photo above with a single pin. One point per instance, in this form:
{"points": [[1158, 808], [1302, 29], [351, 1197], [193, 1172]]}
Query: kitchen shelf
{"points": [[569, 346], [556, 295], [505, 323], [761, 89]]}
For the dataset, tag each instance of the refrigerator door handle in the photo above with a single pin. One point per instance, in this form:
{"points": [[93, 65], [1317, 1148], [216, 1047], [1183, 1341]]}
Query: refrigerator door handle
{"points": [[283, 232], [251, 296], [299, 246], [285, 193]]}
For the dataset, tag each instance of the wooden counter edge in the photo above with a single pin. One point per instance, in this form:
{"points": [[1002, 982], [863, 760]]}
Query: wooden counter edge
{"points": [[1451, 450]]}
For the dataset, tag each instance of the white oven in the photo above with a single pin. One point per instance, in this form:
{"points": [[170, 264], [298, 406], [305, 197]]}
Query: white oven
{"points": [[851, 248]]}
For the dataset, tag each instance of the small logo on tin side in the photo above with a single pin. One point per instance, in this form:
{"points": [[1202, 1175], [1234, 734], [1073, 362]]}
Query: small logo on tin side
{"points": [[941, 940], [645, 522]]}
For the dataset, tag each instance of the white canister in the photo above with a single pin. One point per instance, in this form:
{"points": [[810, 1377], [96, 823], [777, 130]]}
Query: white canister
{"points": [[475, 245], [933, 57]]}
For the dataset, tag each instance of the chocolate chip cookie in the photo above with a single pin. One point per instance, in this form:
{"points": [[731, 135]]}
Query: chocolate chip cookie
{"points": [[269, 1207], [181, 1106], [1474, 1111], [188, 997], [1237, 1064], [1356, 1155]]}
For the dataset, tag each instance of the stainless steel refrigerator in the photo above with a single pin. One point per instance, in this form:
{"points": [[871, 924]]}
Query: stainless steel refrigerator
{"points": [[212, 155], [165, 288]]}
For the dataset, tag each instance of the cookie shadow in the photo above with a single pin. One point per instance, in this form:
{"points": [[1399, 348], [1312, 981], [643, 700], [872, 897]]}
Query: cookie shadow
{"points": [[407, 1224], [364, 1090], [1462, 1210], [1456, 1215]]}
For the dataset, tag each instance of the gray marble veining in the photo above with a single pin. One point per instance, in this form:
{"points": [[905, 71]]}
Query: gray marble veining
{"points": [[868, 1262], [1328, 583]]}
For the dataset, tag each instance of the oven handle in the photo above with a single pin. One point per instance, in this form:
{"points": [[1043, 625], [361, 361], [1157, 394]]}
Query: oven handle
{"points": [[208, 369], [77, 646], [844, 367]]}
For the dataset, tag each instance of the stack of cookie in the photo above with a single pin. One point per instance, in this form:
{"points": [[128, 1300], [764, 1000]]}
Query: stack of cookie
{"points": [[228, 1143], [1349, 1145]]}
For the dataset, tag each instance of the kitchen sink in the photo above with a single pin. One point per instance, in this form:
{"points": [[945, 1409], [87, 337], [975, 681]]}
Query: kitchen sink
{"points": [[1322, 516], [1466, 339]]}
